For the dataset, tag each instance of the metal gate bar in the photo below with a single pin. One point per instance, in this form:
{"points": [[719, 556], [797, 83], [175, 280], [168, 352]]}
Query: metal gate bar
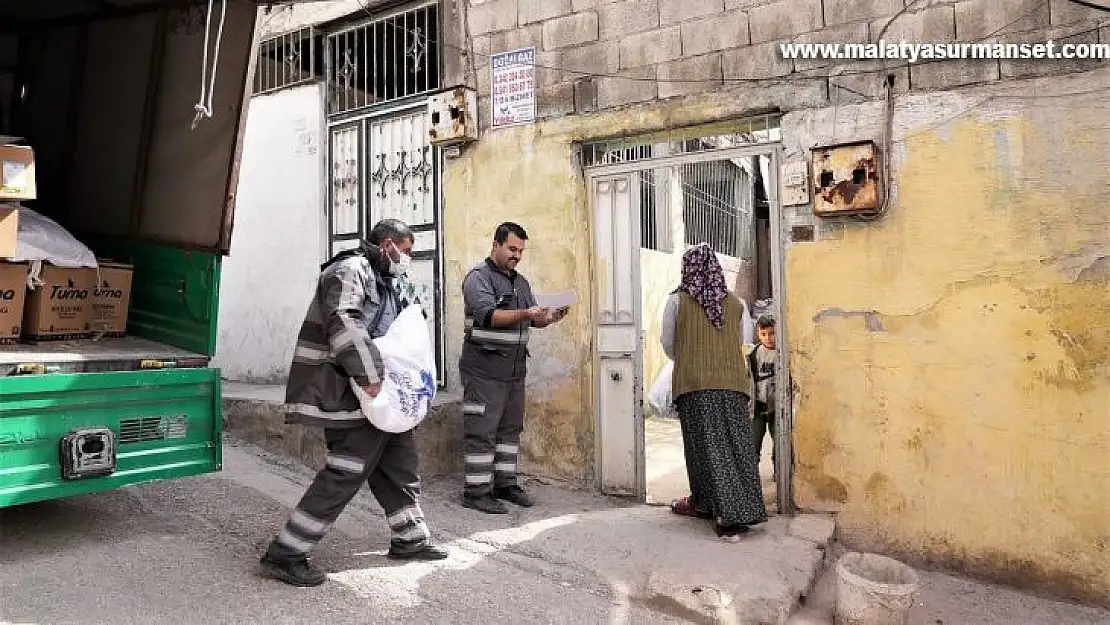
{"points": [[384, 59]]}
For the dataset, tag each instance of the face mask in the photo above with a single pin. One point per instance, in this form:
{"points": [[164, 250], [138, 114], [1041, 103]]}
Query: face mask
{"points": [[400, 266]]}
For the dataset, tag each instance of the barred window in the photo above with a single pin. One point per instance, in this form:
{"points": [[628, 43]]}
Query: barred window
{"points": [[288, 60]]}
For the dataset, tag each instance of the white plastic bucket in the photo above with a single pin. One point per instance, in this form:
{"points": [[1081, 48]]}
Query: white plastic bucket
{"points": [[873, 590]]}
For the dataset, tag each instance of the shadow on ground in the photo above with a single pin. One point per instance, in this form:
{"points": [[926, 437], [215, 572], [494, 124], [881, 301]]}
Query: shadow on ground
{"points": [[186, 551]]}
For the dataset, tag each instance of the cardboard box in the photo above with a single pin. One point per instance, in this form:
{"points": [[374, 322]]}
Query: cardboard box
{"points": [[13, 294], [17, 173], [9, 230], [111, 299], [62, 307]]}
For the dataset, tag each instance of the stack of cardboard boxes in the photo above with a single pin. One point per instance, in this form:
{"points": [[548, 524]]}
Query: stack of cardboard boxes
{"points": [[70, 303]]}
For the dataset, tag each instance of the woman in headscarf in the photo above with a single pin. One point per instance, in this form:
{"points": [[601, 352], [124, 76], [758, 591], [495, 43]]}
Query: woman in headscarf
{"points": [[712, 387]]}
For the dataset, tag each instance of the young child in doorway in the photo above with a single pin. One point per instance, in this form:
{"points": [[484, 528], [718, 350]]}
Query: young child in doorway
{"points": [[762, 365]]}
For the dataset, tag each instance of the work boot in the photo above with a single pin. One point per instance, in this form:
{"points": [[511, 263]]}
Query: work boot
{"points": [[484, 503], [514, 494], [426, 553], [297, 572]]}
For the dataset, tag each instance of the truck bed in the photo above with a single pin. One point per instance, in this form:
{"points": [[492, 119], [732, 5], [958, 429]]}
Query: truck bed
{"points": [[96, 355]]}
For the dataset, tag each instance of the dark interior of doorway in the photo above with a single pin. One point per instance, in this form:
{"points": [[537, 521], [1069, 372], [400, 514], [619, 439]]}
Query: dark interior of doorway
{"points": [[724, 203]]}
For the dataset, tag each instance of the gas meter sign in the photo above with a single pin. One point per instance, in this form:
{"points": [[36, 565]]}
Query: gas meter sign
{"points": [[513, 87]]}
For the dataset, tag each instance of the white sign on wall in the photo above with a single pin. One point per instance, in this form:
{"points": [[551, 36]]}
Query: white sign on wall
{"points": [[513, 87]]}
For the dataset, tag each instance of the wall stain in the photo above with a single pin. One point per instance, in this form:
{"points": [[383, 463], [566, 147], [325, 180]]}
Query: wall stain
{"points": [[1096, 272], [877, 483], [828, 488], [960, 336], [872, 319]]}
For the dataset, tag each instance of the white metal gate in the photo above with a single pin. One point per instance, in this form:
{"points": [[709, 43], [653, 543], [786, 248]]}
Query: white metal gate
{"points": [[635, 191], [620, 426], [379, 73]]}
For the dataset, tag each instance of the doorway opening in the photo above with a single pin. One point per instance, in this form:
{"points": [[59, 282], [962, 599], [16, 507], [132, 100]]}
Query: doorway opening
{"points": [[652, 199]]}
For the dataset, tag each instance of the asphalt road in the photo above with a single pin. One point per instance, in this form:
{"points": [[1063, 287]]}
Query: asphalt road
{"points": [[187, 551]]}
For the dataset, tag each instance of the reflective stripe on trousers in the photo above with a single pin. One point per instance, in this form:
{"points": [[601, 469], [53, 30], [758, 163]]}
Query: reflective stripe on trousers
{"points": [[493, 419]]}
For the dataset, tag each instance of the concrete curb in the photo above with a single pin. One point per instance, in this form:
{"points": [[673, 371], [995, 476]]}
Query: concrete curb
{"points": [[256, 414]]}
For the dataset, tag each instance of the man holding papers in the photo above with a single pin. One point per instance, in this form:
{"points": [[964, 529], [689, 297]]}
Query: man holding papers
{"points": [[500, 311]]}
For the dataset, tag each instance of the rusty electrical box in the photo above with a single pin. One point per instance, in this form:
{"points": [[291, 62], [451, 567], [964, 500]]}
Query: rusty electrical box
{"points": [[846, 179], [453, 114]]}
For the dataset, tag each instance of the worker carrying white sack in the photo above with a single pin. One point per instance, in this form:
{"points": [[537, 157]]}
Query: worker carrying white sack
{"points": [[409, 385], [344, 339]]}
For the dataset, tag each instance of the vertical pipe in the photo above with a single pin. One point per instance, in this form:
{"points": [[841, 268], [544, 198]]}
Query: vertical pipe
{"points": [[784, 426]]}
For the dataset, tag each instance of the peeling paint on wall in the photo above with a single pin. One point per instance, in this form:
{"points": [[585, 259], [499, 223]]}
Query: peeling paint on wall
{"points": [[953, 359]]}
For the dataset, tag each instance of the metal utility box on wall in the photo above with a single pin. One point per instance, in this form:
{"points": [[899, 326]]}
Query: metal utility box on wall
{"points": [[795, 187], [453, 117], [846, 179]]}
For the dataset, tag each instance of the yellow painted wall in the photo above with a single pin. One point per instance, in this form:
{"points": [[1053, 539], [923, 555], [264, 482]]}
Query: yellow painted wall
{"points": [[512, 176], [953, 359], [530, 174]]}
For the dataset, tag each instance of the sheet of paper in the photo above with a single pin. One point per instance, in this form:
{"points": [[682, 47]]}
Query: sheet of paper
{"points": [[557, 300]]}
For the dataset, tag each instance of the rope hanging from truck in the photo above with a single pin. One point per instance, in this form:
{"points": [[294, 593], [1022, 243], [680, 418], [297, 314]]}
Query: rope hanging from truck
{"points": [[208, 81]]}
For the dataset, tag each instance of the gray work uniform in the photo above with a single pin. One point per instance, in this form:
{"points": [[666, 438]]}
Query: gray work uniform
{"points": [[353, 304], [493, 367]]}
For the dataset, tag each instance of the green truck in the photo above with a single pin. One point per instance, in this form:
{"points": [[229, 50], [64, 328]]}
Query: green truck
{"points": [[106, 93]]}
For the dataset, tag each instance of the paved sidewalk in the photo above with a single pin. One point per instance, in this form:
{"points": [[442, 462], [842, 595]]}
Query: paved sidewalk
{"points": [[950, 600], [635, 557]]}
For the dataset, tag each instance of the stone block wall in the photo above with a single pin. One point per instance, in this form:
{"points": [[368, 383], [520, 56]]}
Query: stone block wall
{"points": [[601, 54]]}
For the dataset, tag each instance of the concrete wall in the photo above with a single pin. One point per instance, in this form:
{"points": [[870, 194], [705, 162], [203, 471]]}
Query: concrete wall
{"points": [[950, 360], [284, 18], [279, 238]]}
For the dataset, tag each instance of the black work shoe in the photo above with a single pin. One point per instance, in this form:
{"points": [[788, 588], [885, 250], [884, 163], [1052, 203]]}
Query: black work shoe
{"points": [[427, 553], [486, 504], [297, 573], [514, 494]]}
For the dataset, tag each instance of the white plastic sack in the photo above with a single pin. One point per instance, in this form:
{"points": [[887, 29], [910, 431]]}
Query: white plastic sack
{"points": [[409, 384], [660, 396], [42, 239], [747, 332]]}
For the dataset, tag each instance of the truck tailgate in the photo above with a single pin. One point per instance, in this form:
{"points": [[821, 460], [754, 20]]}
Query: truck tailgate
{"points": [[162, 424]]}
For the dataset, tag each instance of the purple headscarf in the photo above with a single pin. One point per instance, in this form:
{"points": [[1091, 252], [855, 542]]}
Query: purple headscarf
{"points": [[704, 280]]}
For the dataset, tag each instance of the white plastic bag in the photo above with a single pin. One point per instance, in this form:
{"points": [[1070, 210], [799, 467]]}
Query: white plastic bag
{"points": [[660, 396], [409, 384], [42, 239], [747, 333]]}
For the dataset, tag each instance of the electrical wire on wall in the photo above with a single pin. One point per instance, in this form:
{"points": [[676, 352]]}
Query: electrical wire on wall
{"points": [[792, 77], [1092, 5], [885, 156], [888, 83]]}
